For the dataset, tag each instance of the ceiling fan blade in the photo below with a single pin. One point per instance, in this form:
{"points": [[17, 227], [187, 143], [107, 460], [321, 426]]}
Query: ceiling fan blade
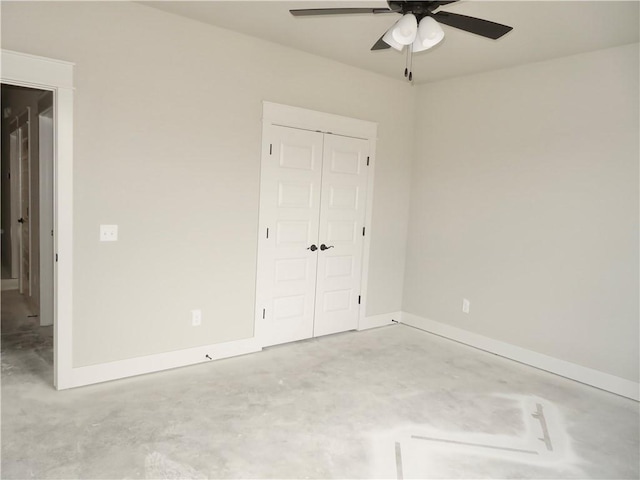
{"points": [[475, 25], [337, 11], [380, 44]]}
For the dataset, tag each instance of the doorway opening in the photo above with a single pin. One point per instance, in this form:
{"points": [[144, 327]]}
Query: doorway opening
{"points": [[27, 218]]}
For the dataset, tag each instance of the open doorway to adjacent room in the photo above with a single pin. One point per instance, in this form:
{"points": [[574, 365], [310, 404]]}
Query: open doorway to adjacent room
{"points": [[27, 241]]}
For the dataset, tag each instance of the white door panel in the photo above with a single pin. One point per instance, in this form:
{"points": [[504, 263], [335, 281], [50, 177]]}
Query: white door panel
{"points": [[24, 145], [290, 206], [342, 216], [16, 228]]}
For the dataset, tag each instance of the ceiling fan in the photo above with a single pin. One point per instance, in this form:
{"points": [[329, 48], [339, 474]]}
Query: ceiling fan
{"points": [[418, 28]]}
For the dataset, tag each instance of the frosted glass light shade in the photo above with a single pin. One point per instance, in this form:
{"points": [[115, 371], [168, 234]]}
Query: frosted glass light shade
{"points": [[388, 39], [429, 33], [402, 33]]}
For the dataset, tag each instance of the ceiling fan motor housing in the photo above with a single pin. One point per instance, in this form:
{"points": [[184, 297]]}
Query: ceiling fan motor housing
{"points": [[419, 9]]}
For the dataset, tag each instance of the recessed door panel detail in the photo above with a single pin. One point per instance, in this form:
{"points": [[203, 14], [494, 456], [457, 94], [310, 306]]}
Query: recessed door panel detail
{"points": [[291, 270], [341, 266], [341, 231], [295, 195], [297, 156], [343, 197], [288, 307], [293, 232], [337, 301], [345, 162]]}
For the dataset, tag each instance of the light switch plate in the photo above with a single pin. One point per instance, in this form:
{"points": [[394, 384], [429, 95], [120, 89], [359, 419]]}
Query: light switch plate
{"points": [[196, 318], [108, 233], [466, 305]]}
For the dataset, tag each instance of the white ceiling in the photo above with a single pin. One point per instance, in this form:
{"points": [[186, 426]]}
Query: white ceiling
{"points": [[542, 30]]}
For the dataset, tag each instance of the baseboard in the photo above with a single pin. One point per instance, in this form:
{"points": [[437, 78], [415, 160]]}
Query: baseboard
{"points": [[589, 376], [104, 372], [9, 284], [81, 376], [375, 321]]}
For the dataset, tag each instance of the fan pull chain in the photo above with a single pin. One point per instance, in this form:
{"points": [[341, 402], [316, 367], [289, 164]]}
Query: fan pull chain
{"points": [[408, 69], [411, 63], [406, 64]]}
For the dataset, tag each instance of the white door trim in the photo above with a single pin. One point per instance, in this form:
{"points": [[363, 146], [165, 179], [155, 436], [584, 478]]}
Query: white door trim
{"points": [[23, 122], [45, 143], [15, 232], [288, 116], [57, 76]]}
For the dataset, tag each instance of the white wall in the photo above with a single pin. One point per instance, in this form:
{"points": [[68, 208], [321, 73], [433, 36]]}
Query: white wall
{"points": [[525, 201], [524, 185], [167, 146]]}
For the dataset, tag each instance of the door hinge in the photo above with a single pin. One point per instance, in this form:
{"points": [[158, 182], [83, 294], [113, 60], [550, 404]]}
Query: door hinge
{"points": [[264, 311], [271, 149], [367, 161], [56, 257], [363, 231], [359, 298], [267, 232]]}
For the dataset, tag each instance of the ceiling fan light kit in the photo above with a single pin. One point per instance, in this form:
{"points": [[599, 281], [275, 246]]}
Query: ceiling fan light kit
{"points": [[388, 39], [430, 33], [419, 27], [405, 30]]}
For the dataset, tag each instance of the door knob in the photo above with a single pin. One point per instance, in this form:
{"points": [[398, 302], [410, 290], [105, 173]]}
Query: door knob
{"points": [[313, 248], [21, 220], [323, 247]]}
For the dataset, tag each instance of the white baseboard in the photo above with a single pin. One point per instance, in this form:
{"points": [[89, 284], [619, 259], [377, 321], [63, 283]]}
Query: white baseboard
{"points": [[104, 372], [9, 284], [81, 376], [375, 321], [589, 376]]}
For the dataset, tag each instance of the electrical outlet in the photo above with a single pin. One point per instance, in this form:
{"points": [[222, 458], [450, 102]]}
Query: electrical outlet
{"points": [[466, 304], [196, 318], [108, 233]]}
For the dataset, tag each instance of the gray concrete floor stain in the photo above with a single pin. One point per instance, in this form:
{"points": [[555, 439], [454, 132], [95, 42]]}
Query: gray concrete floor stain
{"points": [[332, 407]]}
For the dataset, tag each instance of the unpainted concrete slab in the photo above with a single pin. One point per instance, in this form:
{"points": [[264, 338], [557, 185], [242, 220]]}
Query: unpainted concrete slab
{"points": [[342, 406]]}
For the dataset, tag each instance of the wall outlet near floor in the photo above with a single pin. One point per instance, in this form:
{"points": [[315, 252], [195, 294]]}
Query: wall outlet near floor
{"points": [[466, 304], [108, 233], [196, 318]]}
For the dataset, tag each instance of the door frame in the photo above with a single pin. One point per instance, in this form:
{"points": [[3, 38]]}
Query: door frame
{"points": [[56, 76], [45, 194], [275, 114], [14, 182], [23, 119]]}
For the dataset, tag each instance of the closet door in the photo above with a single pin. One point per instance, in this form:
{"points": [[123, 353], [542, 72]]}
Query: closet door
{"points": [[290, 208], [341, 240]]}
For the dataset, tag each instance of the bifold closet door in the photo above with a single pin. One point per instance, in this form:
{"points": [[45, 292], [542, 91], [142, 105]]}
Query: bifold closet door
{"points": [[290, 204], [341, 234]]}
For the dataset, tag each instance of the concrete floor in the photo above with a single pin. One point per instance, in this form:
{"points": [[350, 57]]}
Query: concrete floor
{"points": [[7, 283], [393, 402]]}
